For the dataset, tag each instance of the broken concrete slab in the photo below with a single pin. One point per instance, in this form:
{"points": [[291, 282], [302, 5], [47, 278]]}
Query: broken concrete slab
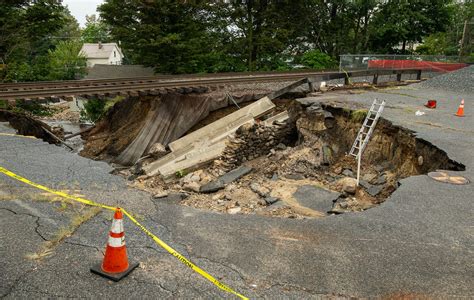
{"points": [[255, 110], [375, 190], [281, 117], [276, 205], [212, 186], [173, 197], [228, 130], [271, 200], [227, 178], [381, 180], [365, 184], [348, 173], [152, 168], [315, 197], [193, 160], [309, 101], [235, 174]]}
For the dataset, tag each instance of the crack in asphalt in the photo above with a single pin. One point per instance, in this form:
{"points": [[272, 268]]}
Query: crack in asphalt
{"points": [[239, 273], [83, 245], [172, 292], [37, 219], [15, 283]]}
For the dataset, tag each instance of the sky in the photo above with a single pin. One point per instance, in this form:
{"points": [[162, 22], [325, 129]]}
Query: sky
{"points": [[80, 8]]}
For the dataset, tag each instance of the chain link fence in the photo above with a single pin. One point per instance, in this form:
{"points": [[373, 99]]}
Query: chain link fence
{"points": [[431, 63]]}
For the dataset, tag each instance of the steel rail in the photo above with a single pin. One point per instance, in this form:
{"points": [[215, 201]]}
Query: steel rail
{"points": [[41, 84], [183, 83]]}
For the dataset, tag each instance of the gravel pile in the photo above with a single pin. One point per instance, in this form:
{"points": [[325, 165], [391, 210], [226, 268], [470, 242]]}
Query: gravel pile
{"points": [[461, 81]]}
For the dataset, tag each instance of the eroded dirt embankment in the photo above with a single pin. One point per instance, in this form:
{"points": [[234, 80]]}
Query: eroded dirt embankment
{"points": [[133, 125], [29, 126], [301, 168], [308, 150]]}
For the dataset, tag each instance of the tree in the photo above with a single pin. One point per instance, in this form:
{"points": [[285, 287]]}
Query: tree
{"points": [[28, 30], [317, 60], [170, 36], [402, 21], [95, 31], [264, 31], [66, 62]]}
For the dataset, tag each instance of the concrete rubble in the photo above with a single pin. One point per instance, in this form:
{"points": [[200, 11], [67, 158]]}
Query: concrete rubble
{"points": [[207, 143]]}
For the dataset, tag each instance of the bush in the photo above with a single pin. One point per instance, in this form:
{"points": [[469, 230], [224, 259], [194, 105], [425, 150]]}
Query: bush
{"points": [[93, 110], [317, 60], [33, 108]]}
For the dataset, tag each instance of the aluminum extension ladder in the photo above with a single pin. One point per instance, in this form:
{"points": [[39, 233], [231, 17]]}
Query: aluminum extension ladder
{"points": [[365, 132]]}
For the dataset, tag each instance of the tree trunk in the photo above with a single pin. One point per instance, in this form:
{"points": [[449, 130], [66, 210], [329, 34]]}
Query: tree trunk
{"points": [[250, 34]]}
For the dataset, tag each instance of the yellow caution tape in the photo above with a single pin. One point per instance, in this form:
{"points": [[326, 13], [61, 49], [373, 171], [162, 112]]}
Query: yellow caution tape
{"points": [[158, 241], [13, 134]]}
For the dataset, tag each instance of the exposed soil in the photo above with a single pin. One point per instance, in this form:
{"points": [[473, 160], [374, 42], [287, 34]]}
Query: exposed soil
{"points": [[29, 126], [313, 155], [319, 158], [124, 121]]}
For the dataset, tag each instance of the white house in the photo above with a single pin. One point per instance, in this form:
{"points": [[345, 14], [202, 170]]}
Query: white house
{"points": [[102, 53]]}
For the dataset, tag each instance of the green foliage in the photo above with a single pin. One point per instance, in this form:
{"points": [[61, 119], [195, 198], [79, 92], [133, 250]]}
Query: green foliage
{"points": [[358, 115], [3, 104], [33, 108], [317, 60], [28, 31], [95, 31], [226, 36], [180, 173], [66, 62], [93, 110], [437, 44], [401, 22]]}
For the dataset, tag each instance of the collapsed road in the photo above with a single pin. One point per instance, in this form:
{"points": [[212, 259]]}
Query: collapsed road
{"points": [[417, 244]]}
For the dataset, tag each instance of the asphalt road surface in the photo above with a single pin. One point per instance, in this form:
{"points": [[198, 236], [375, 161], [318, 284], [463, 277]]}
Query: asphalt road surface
{"points": [[419, 243]]}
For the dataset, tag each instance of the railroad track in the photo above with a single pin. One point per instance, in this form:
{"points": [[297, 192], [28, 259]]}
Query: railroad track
{"points": [[163, 84], [147, 79]]}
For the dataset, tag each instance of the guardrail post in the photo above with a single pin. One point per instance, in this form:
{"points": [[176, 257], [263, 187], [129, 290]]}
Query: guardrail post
{"points": [[376, 79], [346, 79], [399, 76], [418, 75]]}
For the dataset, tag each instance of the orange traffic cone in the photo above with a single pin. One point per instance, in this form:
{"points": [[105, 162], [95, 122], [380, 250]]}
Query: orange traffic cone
{"points": [[460, 112], [115, 265]]}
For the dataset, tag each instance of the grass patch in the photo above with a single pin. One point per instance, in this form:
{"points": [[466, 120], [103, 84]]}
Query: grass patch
{"points": [[358, 115]]}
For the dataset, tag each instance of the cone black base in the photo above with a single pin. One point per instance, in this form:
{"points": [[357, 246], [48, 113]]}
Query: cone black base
{"points": [[97, 269]]}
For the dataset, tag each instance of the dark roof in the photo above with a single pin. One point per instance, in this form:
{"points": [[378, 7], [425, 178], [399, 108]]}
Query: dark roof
{"points": [[99, 71]]}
